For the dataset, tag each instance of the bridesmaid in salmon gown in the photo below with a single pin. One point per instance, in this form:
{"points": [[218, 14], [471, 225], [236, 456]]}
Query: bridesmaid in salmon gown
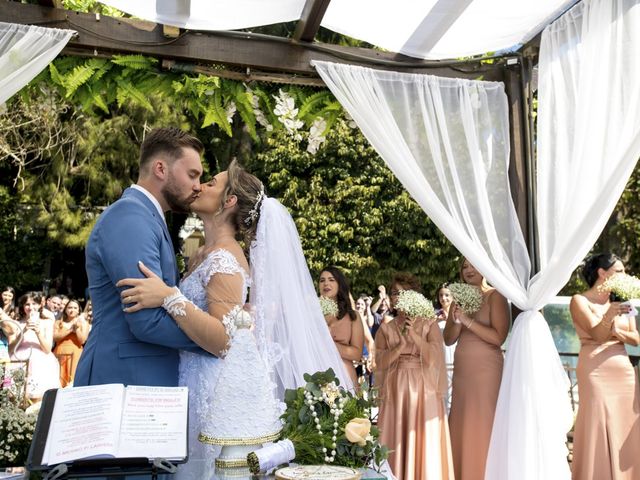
{"points": [[477, 373], [606, 441], [346, 329], [70, 334], [412, 377]]}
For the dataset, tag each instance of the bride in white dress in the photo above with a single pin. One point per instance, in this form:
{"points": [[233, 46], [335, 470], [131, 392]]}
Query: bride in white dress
{"points": [[290, 328]]}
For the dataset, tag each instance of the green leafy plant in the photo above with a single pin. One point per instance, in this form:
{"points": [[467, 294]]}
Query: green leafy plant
{"points": [[327, 424], [16, 426]]}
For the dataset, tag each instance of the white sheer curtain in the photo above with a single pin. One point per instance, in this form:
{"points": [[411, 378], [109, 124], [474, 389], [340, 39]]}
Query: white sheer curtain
{"points": [[588, 145], [24, 52], [447, 140]]}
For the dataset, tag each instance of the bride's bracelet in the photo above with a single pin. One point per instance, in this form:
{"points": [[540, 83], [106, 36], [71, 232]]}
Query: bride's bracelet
{"points": [[175, 303]]}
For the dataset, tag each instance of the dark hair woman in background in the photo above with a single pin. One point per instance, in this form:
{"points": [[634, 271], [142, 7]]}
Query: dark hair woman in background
{"points": [[606, 438], [346, 328]]}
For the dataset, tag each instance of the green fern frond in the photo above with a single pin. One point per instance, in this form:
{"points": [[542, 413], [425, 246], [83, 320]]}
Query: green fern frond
{"points": [[330, 109], [215, 113], [77, 77], [126, 90], [98, 101], [136, 62], [55, 75], [205, 85], [102, 67], [245, 109], [313, 101]]}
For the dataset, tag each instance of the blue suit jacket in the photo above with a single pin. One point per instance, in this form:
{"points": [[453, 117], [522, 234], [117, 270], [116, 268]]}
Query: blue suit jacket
{"points": [[138, 348]]}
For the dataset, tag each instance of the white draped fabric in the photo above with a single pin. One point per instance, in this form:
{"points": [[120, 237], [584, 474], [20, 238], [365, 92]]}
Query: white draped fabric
{"points": [[588, 145], [447, 141], [24, 52], [429, 29], [212, 14]]}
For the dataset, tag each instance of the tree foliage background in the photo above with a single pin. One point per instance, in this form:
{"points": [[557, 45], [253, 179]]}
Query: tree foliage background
{"points": [[69, 144]]}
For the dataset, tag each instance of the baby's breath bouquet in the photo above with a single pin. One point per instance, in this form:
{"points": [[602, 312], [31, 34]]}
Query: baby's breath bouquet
{"points": [[622, 287], [414, 304], [467, 297], [324, 424], [329, 307]]}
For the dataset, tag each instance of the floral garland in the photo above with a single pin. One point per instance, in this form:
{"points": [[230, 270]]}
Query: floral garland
{"points": [[467, 297], [321, 406]]}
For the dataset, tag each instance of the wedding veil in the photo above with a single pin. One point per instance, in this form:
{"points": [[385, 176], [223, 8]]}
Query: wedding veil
{"points": [[290, 328]]}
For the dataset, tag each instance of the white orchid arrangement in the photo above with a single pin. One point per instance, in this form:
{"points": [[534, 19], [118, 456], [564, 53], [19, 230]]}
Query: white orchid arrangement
{"points": [[623, 287], [414, 304], [329, 307], [467, 297], [287, 114]]}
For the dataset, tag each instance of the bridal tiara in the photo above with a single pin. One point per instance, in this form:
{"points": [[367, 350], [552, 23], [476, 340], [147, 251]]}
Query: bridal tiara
{"points": [[255, 211]]}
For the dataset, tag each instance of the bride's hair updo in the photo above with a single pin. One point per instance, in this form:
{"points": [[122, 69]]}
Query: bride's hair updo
{"points": [[249, 191]]}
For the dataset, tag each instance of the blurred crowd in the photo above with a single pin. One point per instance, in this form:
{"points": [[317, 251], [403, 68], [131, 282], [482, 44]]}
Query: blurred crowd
{"points": [[44, 336]]}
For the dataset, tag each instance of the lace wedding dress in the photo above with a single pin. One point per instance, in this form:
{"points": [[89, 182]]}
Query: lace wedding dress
{"points": [[200, 372]]}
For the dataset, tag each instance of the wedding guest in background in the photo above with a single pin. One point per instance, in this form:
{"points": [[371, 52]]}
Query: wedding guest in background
{"points": [[443, 304], [412, 378], [40, 299], [381, 310], [63, 303], [346, 328], [43, 370], [88, 313], [54, 305], [363, 308], [606, 437], [7, 330], [477, 374], [9, 301], [70, 334]]}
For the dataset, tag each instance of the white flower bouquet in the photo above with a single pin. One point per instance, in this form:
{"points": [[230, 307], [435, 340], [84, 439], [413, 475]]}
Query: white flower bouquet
{"points": [[414, 304], [329, 307], [467, 297], [622, 287]]}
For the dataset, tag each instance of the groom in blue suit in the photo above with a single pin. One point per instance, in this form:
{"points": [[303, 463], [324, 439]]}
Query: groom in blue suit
{"points": [[139, 348]]}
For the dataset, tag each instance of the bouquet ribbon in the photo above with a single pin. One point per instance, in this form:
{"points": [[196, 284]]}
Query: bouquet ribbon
{"points": [[269, 457]]}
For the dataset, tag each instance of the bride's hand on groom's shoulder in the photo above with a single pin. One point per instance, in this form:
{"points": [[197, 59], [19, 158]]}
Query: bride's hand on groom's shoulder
{"points": [[142, 293]]}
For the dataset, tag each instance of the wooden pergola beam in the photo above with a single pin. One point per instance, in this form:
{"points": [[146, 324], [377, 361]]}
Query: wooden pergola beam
{"points": [[101, 35], [310, 19]]}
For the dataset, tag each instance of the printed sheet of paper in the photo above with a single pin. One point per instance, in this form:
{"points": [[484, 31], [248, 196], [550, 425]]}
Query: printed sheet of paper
{"points": [[154, 423], [85, 423]]}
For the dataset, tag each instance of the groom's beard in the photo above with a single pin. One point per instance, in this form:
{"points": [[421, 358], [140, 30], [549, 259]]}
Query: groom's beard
{"points": [[176, 202]]}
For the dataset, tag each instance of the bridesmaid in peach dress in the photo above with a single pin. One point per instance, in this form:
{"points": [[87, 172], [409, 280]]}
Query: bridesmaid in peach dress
{"points": [[477, 373], [412, 378], [346, 329], [606, 441]]}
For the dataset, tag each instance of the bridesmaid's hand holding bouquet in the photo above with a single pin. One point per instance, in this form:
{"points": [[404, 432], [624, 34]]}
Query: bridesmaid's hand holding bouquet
{"points": [[415, 306], [622, 288], [329, 307], [466, 297]]}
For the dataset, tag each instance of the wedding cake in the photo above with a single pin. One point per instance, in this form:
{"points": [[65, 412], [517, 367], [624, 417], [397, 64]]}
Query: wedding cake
{"points": [[245, 412]]}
